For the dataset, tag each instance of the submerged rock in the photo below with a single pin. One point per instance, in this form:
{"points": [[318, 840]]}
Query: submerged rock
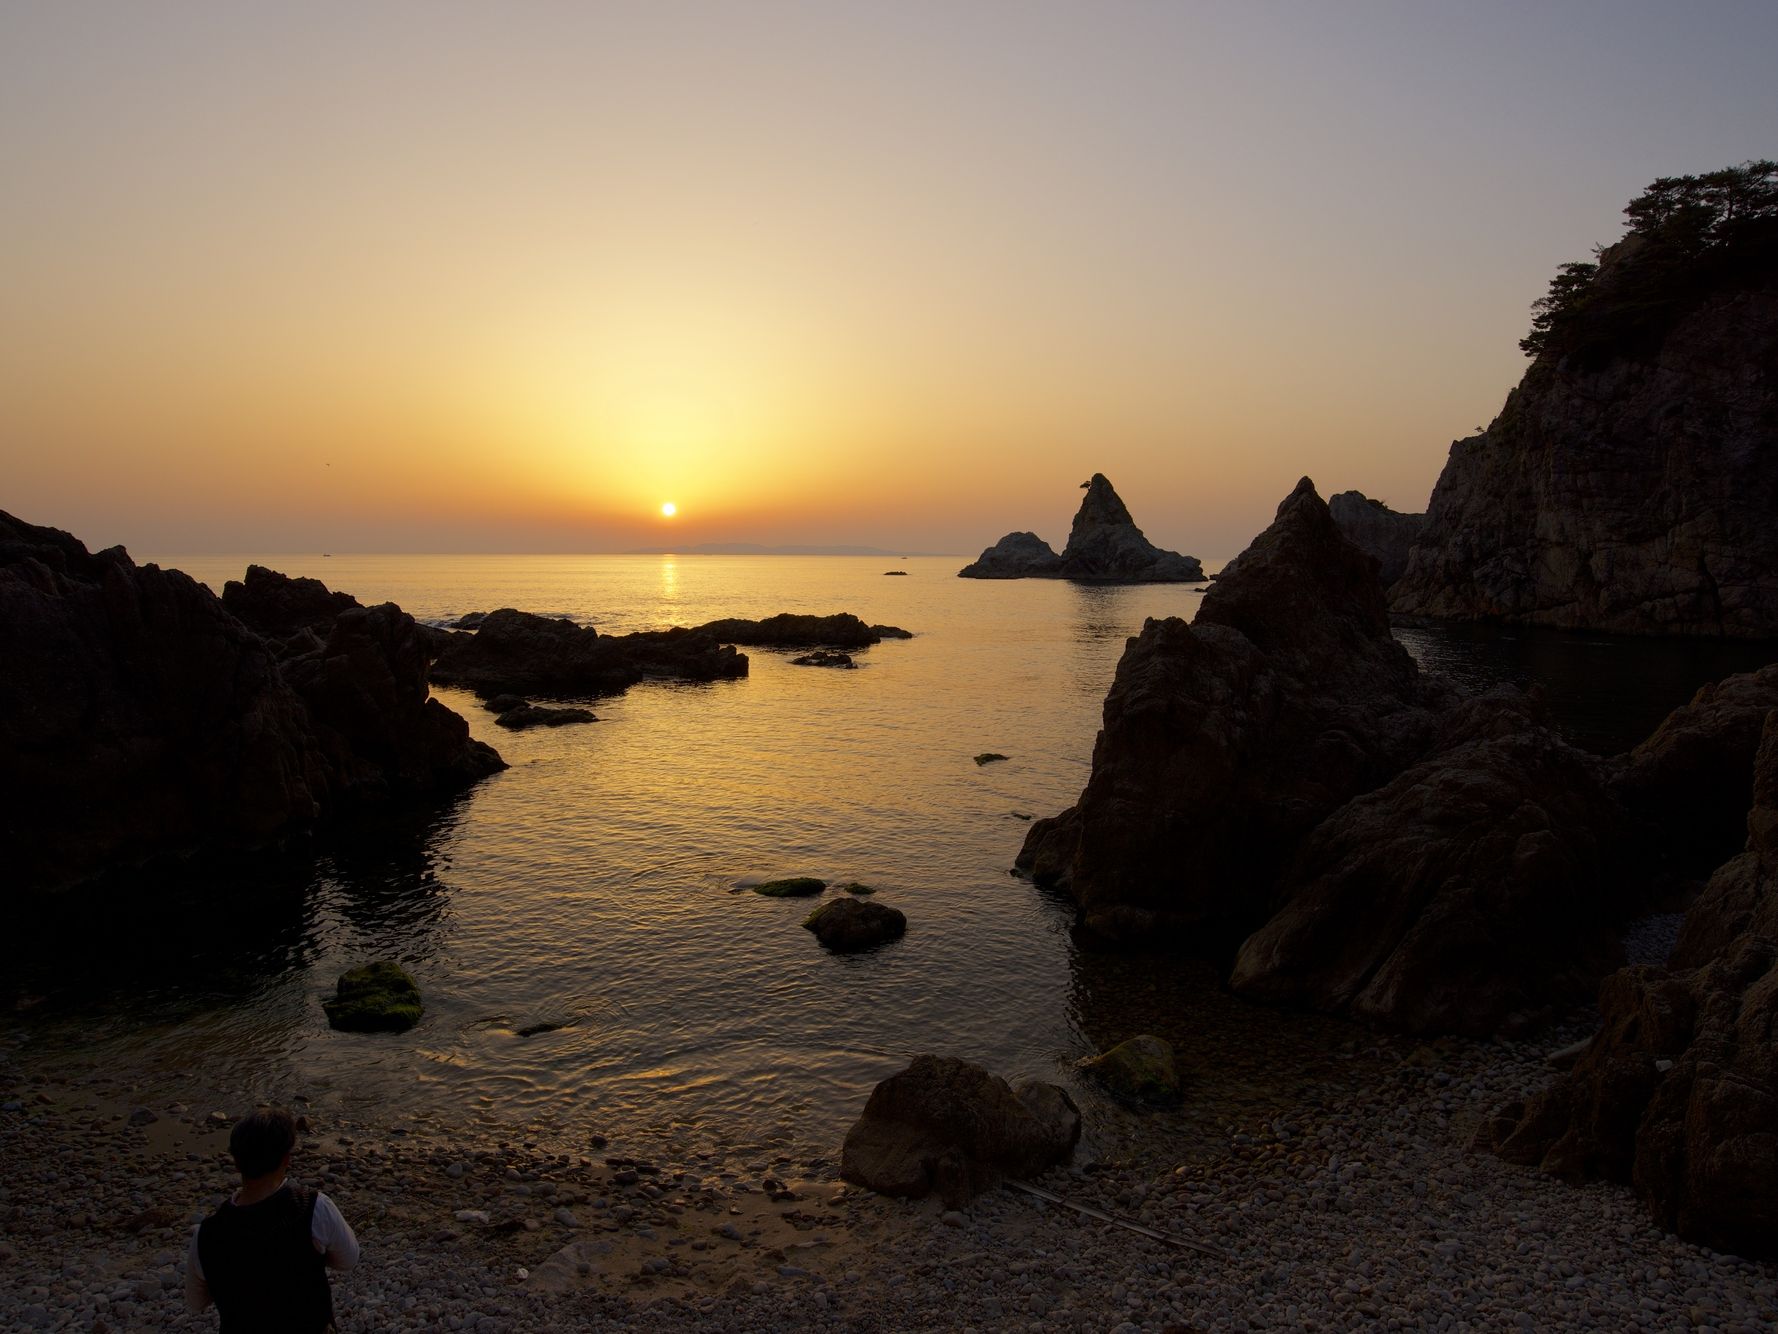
{"points": [[1142, 1069], [380, 997], [1104, 546], [989, 757], [847, 925], [1678, 1093], [536, 715], [824, 657], [792, 887], [1383, 534], [948, 1126]]}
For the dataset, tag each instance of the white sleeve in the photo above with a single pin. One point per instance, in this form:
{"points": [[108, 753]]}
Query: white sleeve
{"points": [[197, 1291], [332, 1235]]}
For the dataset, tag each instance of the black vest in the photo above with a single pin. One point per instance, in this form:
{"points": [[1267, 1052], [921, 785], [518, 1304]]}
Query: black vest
{"points": [[262, 1268]]}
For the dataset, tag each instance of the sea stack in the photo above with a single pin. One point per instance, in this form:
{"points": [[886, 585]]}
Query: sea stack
{"points": [[1104, 547]]}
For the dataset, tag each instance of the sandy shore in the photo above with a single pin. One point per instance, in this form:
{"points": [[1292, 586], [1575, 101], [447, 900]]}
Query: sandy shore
{"points": [[1363, 1209]]}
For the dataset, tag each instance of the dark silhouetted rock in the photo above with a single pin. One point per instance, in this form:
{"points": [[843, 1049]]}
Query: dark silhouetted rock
{"points": [[1678, 1092], [791, 887], [989, 757], [1015, 556], [504, 703], [842, 630], [1384, 534], [824, 657], [948, 1126], [1142, 1069], [516, 652], [536, 715], [1470, 894], [848, 925], [1104, 546], [152, 722], [1226, 741], [1631, 490], [380, 997]]}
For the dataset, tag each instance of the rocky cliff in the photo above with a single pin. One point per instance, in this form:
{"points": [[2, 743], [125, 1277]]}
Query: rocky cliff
{"points": [[1384, 534], [1630, 484], [1104, 547], [141, 719]]}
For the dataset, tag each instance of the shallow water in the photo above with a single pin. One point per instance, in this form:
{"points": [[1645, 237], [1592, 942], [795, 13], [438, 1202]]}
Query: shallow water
{"points": [[592, 885]]}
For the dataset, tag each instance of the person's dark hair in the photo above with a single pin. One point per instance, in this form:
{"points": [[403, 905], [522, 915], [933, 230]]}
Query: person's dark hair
{"points": [[259, 1142]]}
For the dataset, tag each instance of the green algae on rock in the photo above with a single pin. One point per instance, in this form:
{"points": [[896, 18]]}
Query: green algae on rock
{"points": [[381, 997], [793, 887], [1141, 1069]]}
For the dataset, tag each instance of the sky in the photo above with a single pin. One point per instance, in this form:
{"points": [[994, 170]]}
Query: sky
{"points": [[471, 277]]}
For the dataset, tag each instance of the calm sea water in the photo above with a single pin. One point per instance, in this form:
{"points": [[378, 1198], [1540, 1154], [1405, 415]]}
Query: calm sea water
{"points": [[592, 885]]}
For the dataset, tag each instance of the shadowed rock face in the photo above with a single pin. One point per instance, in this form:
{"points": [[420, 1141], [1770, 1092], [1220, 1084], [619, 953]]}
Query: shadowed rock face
{"points": [[1636, 496], [1381, 533], [139, 719], [1467, 895], [1678, 1093], [789, 630], [1104, 546], [1227, 740]]}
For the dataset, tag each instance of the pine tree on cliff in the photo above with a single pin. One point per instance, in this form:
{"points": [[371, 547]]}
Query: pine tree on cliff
{"points": [[1688, 236]]}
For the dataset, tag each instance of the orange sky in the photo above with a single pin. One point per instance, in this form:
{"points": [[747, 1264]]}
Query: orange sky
{"points": [[440, 277]]}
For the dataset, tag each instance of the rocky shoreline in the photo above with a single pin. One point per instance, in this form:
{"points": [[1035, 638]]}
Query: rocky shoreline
{"points": [[1362, 1207]]}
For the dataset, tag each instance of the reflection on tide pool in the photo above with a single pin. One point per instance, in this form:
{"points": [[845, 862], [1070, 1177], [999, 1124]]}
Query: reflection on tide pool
{"points": [[571, 920]]}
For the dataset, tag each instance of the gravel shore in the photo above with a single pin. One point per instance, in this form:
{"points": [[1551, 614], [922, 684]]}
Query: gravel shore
{"points": [[1361, 1209]]}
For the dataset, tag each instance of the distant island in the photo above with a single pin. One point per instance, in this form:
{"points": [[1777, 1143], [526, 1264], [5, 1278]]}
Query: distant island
{"points": [[757, 549]]}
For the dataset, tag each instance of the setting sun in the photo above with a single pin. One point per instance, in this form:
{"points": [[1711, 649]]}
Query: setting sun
{"points": [[668, 509]]}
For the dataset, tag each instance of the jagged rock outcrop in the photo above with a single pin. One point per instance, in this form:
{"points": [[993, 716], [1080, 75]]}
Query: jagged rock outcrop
{"points": [[1227, 740], [1629, 486], [1678, 1092], [521, 653], [948, 1126], [1470, 894], [1384, 534], [279, 606], [140, 719], [1104, 547]]}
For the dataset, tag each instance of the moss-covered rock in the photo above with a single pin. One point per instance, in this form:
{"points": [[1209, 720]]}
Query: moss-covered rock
{"points": [[793, 887], [381, 997], [1142, 1069]]}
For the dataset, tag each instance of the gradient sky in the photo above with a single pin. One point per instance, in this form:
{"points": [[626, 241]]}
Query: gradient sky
{"points": [[478, 277]]}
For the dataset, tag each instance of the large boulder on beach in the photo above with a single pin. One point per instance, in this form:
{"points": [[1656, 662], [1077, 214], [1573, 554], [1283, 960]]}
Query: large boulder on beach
{"points": [[944, 1125], [1473, 893], [1384, 534], [1227, 740], [848, 925], [518, 652], [1104, 547], [1678, 1092]]}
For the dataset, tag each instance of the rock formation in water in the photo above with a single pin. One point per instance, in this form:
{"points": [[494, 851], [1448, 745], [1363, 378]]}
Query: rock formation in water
{"points": [[1104, 547], [1280, 770], [1227, 740], [1384, 534], [948, 1126], [849, 925], [520, 653], [1678, 1093], [1630, 483], [140, 719], [841, 630]]}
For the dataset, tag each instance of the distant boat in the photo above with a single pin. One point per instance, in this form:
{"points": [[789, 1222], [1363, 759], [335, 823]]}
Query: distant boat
{"points": [[326, 554]]}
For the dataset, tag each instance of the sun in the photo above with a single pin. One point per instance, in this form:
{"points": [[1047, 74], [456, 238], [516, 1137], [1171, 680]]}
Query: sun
{"points": [[668, 509]]}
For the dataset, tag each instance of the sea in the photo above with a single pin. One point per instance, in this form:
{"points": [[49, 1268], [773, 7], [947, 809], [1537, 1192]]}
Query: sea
{"points": [[596, 891]]}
